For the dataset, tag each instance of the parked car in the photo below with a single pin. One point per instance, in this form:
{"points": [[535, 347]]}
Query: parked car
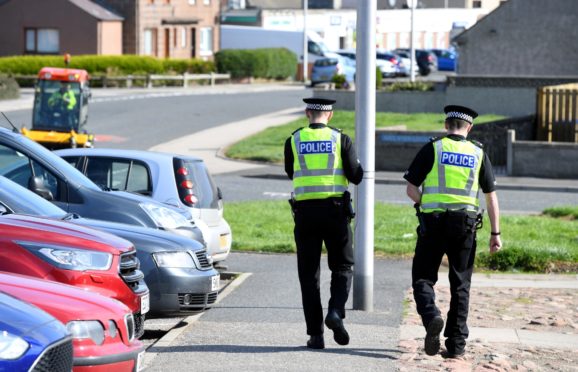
{"points": [[447, 59], [177, 270], [179, 180], [324, 69], [426, 60], [33, 166], [103, 334], [387, 67], [30, 338], [406, 63], [392, 58], [75, 255]]}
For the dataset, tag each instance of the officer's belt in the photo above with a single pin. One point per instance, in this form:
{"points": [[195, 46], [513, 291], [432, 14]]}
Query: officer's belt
{"points": [[319, 202]]}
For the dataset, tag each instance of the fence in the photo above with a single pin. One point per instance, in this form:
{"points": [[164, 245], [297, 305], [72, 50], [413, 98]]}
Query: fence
{"points": [[557, 113]]}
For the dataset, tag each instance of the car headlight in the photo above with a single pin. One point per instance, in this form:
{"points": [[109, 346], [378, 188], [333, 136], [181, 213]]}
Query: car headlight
{"points": [[165, 217], [69, 258], [174, 259], [83, 329], [11, 346]]}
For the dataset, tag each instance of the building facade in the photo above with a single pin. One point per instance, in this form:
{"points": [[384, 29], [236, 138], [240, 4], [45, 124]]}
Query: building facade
{"points": [[523, 38], [169, 28], [58, 27]]}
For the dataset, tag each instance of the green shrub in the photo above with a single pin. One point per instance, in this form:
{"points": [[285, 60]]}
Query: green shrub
{"points": [[266, 63], [419, 86], [522, 260], [340, 81], [9, 88], [378, 78], [569, 212]]}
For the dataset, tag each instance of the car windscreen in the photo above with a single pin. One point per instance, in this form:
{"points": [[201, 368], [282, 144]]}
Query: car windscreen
{"points": [[23, 201], [204, 187]]}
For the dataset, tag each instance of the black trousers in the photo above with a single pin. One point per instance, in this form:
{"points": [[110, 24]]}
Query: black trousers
{"points": [[318, 222], [453, 234]]}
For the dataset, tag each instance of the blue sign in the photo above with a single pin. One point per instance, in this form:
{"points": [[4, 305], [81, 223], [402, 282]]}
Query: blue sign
{"points": [[316, 147], [459, 160]]}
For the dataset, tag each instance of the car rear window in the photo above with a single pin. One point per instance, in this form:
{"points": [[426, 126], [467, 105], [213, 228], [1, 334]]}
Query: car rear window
{"points": [[326, 62], [204, 188]]}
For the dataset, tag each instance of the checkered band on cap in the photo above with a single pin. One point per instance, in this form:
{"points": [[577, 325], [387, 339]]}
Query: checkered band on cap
{"points": [[460, 115], [319, 107]]}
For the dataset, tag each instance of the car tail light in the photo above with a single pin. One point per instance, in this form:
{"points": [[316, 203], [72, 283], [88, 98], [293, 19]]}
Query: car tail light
{"points": [[182, 171], [187, 184], [392, 60], [191, 199]]}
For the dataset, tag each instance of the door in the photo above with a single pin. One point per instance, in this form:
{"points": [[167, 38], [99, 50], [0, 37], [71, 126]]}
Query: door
{"points": [[193, 42]]}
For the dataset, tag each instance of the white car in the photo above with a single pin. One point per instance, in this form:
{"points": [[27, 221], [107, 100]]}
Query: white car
{"points": [[387, 68], [178, 180]]}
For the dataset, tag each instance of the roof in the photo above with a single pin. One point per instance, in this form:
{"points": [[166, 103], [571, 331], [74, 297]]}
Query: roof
{"points": [[97, 10]]}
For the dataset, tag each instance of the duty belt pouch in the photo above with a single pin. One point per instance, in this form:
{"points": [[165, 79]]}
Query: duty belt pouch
{"points": [[293, 204], [348, 207]]}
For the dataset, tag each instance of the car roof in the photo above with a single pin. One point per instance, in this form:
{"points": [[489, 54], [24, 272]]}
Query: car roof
{"points": [[122, 153]]}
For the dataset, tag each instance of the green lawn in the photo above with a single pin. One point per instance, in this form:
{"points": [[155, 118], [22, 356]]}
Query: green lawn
{"points": [[268, 145], [531, 243]]}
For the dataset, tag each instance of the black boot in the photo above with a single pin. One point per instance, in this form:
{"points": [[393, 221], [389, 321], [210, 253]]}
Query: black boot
{"points": [[333, 321], [432, 337], [316, 342]]}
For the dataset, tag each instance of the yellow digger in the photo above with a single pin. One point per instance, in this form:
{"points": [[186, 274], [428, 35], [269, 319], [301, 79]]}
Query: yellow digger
{"points": [[60, 109]]}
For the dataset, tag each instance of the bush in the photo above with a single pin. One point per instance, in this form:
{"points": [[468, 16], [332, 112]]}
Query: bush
{"points": [[378, 78], [340, 81], [100, 65], [9, 88], [522, 260], [266, 63], [419, 86]]}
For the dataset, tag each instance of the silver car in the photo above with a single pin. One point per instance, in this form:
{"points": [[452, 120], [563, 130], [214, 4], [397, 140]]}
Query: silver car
{"points": [[182, 181]]}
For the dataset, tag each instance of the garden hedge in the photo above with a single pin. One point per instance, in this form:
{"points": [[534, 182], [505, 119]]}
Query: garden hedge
{"points": [[266, 63]]}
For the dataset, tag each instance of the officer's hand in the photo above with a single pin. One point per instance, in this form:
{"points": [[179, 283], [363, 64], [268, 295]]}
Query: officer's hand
{"points": [[495, 243]]}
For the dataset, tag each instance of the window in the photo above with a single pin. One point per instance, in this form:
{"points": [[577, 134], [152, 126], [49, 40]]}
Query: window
{"points": [[42, 41], [476, 4], [192, 2], [119, 174], [206, 41], [207, 2], [150, 42], [183, 37]]}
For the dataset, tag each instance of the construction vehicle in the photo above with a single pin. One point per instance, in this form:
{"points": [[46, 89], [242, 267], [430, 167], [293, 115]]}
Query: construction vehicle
{"points": [[60, 109]]}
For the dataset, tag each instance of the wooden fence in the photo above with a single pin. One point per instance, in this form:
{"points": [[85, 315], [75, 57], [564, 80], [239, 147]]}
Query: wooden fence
{"points": [[557, 113]]}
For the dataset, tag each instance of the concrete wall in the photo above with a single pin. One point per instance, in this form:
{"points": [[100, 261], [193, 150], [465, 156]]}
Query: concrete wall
{"points": [[395, 149], [544, 159]]}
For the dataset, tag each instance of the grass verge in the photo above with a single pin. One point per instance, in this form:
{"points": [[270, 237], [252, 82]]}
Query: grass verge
{"points": [[531, 243], [267, 145]]}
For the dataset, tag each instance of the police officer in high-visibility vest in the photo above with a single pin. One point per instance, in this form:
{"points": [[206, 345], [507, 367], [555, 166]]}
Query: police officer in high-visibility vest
{"points": [[451, 171], [64, 101], [322, 161]]}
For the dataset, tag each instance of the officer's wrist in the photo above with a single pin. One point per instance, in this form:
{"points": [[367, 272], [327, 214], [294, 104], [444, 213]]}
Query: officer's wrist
{"points": [[495, 233]]}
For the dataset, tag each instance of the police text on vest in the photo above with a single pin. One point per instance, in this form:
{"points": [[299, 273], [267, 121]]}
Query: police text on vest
{"points": [[316, 147], [460, 160]]}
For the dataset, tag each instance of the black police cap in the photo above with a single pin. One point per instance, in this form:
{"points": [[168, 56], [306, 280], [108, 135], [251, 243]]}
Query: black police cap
{"points": [[460, 112], [319, 104]]}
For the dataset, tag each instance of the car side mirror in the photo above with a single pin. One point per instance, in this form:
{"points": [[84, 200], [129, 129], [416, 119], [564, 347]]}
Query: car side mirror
{"points": [[36, 185]]}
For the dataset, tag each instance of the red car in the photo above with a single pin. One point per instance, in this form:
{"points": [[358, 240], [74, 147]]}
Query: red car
{"points": [[76, 255], [102, 328]]}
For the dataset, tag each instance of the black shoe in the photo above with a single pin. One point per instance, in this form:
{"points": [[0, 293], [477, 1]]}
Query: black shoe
{"points": [[455, 354], [316, 342], [432, 337], [333, 322]]}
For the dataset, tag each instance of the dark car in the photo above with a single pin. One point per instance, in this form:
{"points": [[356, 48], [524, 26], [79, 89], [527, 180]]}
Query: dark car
{"points": [[33, 166], [30, 339], [426, 59], [177, 270]]}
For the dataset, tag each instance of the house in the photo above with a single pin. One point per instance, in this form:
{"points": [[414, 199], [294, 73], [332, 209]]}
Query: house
{"points": [[534, 38], [57, 27], [168, 28]]}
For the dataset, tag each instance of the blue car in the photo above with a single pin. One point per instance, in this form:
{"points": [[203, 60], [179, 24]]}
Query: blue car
{"points": [[30, 339], [447, 59], [325, 68]]}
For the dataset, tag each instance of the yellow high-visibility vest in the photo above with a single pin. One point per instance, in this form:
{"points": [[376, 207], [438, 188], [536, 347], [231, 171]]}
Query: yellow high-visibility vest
{"points": [[453, 182], [317, 165]]}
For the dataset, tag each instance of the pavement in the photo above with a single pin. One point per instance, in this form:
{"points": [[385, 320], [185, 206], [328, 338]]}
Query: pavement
{"points": [[517, 322]]}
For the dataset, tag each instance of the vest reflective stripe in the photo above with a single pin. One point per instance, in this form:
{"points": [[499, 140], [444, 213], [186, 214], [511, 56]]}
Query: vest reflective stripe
{"points": [[318, 167], [444, 187]]}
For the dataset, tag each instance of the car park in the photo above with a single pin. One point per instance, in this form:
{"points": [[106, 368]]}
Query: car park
{"points": [[76, 255], [324, 69], [33, 166], [179, 180], [177, 270], [447, 59], [387, 67], [102, 329], [426, 60], [394, 59], [31, 338], [406, 62]]}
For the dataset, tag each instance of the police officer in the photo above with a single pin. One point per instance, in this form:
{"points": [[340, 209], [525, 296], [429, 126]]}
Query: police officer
{"points": [[322, 161], [451, 171]]}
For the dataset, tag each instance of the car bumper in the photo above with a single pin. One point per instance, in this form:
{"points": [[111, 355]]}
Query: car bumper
{"points": [[175, 290], [221, 240], [110, 359]]}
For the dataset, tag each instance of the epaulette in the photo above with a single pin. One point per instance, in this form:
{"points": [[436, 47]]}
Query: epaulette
{"points": [[337, 129], [433, 139], [478, 144], [297, 130]]}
